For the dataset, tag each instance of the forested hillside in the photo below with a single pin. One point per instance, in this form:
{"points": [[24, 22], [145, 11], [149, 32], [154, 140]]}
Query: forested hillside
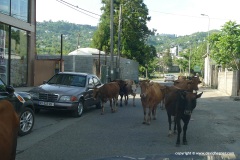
{"points": [[49, 38]]}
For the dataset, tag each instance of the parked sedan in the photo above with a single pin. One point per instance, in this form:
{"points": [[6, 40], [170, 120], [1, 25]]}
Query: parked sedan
{"points": [[23, 105], [169, 77], [68, 91]]}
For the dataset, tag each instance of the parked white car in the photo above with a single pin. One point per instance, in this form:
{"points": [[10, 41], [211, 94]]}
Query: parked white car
{"points": [[169, 77]]}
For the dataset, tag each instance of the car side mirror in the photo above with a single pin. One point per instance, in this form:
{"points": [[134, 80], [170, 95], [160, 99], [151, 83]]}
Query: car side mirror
{"points": [[10, 89], [91, 86]]}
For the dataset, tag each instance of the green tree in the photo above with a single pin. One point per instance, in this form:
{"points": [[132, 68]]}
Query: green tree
{"points": [[225, 46], [135, 32], [167, 59]]}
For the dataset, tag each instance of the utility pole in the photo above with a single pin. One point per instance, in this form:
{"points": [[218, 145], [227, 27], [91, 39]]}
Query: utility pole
{"points": [[111, 40], [119, 37], [189, 61], [61, 52], [78, 45], [207, 66]]}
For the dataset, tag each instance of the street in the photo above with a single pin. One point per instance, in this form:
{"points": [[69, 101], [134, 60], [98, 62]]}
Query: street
{"points": [[213, 129]]}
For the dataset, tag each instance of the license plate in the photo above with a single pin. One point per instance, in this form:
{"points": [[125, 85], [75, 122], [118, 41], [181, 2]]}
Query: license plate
{"points": [[46, 103]]}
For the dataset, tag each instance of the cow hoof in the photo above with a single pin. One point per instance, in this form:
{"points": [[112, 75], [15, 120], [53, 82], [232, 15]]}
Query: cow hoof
{"points": [[143, 122], [154, 118], [185, 143], [102, 113], [170, 135]]}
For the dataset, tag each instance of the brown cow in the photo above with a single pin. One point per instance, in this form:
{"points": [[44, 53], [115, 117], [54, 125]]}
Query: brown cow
{"points": [[151, 95], [107, 92], [9, 125], [187, 84], [180, 104], [182, 78]]}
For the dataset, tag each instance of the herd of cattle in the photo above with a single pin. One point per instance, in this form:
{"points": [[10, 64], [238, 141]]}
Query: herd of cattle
{"points": [[179, 101]]}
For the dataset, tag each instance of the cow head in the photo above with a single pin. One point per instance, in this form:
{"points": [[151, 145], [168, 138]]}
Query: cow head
{"points": [[188, 85], [95, 93], [144, 88], [188, 101]]}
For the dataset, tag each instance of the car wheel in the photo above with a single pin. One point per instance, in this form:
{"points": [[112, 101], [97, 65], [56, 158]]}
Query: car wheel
{"points": [[26, 121], [79, 110]]}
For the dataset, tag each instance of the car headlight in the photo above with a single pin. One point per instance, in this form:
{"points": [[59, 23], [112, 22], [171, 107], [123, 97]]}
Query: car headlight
{"points": [[68, 99], [19, 97]]}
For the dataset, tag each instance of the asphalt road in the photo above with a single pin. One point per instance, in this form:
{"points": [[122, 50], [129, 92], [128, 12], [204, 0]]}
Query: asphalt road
{"points": [[214, 129]]}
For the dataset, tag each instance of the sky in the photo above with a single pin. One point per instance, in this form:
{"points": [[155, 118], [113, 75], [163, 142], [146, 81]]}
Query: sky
{"points": [[180, 17]]}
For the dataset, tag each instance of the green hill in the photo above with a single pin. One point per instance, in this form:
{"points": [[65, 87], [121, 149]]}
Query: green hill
{"points": [[48, 37]]}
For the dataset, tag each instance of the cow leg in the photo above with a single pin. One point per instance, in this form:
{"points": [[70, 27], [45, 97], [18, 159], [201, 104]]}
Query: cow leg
{"points": [[111, 104], [162, 104], [115, 104], [134, 100], [121, 100], [144, 112], [179, 129], [186, 121], [102, 108], [154, 112], [126, 100], [175, 125], [150, 109], [169, 125]]}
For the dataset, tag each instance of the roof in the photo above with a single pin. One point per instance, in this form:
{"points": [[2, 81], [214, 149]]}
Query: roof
{"points": [[86, 51]]}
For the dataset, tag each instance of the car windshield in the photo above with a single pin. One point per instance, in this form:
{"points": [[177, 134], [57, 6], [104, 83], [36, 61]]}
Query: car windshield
{"points": [[68, 79]]}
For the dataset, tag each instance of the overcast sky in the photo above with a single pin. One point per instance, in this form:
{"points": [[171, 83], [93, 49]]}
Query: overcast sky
{"points": [[180, 17]]}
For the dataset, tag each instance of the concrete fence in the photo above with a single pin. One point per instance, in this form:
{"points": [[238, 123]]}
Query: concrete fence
{"points": [[228, 82], [128, 69]]}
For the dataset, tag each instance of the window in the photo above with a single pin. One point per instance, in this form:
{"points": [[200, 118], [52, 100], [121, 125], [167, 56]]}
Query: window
{"points": [[5, 7], [19, 9], [18, 68], [4, 36]]}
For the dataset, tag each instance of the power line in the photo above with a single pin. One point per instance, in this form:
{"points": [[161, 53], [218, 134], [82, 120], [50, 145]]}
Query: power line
{"points": [[78, 8], [174, 14]]}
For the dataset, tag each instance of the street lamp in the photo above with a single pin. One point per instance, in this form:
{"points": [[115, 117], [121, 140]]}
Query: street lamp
{"points": [[189, 61], [208, 32], [207, 58]]}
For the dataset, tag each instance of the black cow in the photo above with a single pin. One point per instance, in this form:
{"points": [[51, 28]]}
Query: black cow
{"points": [[122, 91], [180, 104]]}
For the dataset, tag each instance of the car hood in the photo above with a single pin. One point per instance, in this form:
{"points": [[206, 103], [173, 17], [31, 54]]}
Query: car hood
{"points": [[58, 89]]}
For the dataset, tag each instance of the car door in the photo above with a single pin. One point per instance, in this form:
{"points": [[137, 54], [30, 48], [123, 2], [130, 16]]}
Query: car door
{"points": [[88, 95], [92, 81]]}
